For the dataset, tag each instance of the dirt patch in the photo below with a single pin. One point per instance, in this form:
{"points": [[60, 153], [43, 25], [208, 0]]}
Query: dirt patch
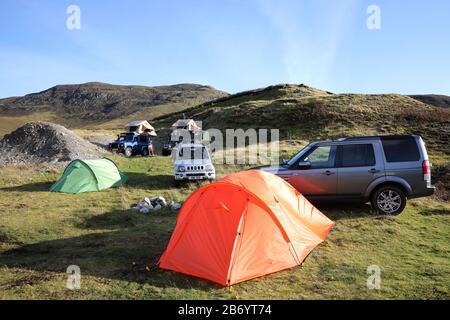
{"points": [[44, 142], [29, 280], [101, 141]]}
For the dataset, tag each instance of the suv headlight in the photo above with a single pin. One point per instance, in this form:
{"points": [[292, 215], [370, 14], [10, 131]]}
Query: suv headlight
{"points": [[181, 169], [209, 167]]}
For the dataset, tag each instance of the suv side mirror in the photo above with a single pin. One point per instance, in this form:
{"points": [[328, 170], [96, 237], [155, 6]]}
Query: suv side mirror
{"points": [[304, 165]]}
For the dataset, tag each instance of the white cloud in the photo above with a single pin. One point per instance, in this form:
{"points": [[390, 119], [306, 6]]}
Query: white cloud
{"points": [[310, 47]]}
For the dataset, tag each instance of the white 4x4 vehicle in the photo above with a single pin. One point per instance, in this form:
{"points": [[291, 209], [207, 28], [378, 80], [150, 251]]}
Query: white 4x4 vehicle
{"points": [[193, 162]]}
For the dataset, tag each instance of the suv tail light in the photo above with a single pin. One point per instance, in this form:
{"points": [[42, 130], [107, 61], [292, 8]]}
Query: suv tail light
{"points": [[426, 169]]}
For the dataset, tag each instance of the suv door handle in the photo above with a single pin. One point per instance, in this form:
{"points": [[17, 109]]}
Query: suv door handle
{"points": [[373, 170], [328, 172]]}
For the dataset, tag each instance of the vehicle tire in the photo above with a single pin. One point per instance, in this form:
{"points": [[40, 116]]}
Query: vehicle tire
{"points": [[388, 200], [128, 152]]}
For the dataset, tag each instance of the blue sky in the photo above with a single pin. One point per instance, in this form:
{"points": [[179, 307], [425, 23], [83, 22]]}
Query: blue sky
{"points": [[233, 45]]}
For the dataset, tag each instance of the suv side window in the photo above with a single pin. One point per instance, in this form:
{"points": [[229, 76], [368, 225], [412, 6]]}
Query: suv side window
{"points": [[356, 155], [321, 157], [400, 150], [144, 139]]}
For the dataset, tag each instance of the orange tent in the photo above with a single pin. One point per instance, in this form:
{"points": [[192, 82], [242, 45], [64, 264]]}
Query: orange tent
{"points": [[244, 226]]}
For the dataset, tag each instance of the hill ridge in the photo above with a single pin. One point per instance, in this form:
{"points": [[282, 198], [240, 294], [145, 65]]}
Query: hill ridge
{"points": [[97, 101]]}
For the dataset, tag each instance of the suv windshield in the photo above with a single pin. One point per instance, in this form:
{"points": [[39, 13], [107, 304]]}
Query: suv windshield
{"points": [[191, 153], [295, 158], [126, 137]]}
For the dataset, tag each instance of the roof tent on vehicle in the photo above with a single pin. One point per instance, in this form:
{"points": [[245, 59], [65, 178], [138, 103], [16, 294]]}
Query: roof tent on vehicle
{"points": [[141, 126], [88, 176], [187, 124], [246, 225]]}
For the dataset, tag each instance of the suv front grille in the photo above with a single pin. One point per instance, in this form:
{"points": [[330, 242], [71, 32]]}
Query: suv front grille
{"points": [[195, 168]]}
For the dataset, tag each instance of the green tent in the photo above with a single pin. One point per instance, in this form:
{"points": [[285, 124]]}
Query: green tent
{"points": [[89, 175]]}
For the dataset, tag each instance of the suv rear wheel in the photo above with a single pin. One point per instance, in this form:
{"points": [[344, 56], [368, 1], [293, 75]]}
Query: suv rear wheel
{"points": [[388, 200], [128, 152]]}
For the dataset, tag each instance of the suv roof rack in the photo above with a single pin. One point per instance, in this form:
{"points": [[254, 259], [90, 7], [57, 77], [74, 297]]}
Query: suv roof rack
{"points": [[361, 138]]}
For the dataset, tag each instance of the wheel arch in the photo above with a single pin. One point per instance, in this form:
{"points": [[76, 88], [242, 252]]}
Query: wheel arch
{"points": [[398, 182]]}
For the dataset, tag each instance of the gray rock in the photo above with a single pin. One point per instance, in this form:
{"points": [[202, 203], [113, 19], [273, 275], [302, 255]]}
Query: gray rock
{"points": [[175, 206], [162, 201], [144, 210], [44, 142]]}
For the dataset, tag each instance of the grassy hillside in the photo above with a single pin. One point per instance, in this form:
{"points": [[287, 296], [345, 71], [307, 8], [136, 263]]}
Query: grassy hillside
{"points": [[42, 233], [304, 113], [436, 100], [94, 103]]}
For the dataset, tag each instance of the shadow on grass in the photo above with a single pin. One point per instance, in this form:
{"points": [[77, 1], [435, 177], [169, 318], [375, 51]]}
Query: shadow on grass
{"points": [[153, 182], [30, 187], [112, 220], [343, 210], [119, 219], [130, 253], [127, 247], [158, 182], [434, 212], [135, 180]]}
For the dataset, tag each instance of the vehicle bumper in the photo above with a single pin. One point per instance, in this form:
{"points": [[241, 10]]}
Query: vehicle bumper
{"points": [[429, 191], [195, 176]]}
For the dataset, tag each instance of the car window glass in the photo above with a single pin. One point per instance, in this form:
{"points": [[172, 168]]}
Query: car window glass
{"points": [[126, 137], [295, 158], [205, 154], [400, 150], [320, 157], [357, 155], [191, 153]]}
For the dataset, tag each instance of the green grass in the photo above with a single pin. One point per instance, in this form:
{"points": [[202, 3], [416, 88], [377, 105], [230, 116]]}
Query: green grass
{"points": [[42, 233]]}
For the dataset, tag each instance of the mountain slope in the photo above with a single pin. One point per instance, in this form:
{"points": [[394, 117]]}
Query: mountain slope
{"points": [[436, 100], [101, 102], [301, 112]]}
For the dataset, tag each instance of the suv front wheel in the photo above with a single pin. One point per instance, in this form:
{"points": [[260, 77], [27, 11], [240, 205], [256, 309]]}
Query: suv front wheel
{"points": [[128, 152], [388, 200]]}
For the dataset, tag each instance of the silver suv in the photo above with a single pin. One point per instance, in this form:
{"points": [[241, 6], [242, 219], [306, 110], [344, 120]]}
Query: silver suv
{"points": [[385, 170]]}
